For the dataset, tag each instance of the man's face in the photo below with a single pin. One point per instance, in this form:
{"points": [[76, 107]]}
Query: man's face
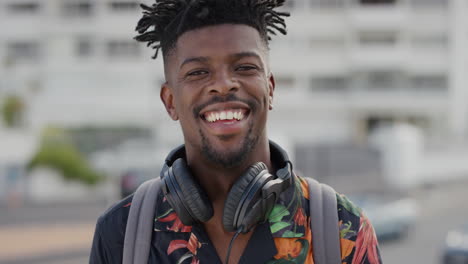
{"points": [[220, 88]]}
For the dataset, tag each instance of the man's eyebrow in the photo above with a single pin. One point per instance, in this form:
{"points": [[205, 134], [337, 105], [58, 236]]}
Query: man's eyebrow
{"points": [[193, 59], [246, 54]]}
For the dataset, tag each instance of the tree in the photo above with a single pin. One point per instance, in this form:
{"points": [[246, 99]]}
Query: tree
{"points": [[12, 110], [57, 152]]}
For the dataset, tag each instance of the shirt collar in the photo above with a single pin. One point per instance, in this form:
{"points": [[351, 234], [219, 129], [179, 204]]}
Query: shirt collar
{"points": [[288, 218]]}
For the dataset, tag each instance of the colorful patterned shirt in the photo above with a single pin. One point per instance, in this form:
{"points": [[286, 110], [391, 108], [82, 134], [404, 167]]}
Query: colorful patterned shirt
{"points": [[285, 238]]}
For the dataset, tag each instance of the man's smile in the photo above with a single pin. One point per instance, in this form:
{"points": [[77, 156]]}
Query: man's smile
{"points": [[230, 114], [225, 118]]}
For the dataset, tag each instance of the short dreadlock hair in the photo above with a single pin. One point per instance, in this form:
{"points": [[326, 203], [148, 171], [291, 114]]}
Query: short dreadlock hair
{"points": [[166, 20]]}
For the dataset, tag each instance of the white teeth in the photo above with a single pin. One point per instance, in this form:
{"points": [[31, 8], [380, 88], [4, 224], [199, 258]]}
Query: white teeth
{"points": [[224, 115]]}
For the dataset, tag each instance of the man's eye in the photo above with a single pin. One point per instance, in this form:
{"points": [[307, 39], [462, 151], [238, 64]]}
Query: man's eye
{"points": [[197, 73], [246, 68]]}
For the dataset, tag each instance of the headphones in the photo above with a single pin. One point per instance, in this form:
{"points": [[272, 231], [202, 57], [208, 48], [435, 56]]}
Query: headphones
{"points": [[248, 203]]}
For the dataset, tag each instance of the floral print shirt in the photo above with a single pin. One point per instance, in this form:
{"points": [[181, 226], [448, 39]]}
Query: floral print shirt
{"points": [[285, 238]]}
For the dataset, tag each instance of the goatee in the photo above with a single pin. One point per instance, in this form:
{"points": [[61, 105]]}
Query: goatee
{"points": [[229, 159]]}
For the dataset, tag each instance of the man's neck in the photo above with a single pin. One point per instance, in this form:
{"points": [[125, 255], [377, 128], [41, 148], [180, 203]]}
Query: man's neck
{"points": [[217, 180]]}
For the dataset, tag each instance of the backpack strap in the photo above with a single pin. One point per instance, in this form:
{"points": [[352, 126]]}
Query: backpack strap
{"points": [[324, 223], [140, 223]]}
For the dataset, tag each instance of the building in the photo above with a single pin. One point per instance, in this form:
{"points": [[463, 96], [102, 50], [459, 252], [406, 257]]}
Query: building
{"points": [[346, 67], [350, 65], [76, 63]]}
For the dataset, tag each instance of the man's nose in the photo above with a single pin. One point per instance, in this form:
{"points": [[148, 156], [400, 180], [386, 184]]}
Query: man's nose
{"points": [[224, 84]]}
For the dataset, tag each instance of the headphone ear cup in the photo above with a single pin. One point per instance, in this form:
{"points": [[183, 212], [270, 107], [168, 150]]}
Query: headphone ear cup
{"points": [[194, 198], [235, 195]]}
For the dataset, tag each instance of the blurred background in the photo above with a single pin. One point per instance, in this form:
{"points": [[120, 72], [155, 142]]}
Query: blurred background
{"points": [[371, 98]]}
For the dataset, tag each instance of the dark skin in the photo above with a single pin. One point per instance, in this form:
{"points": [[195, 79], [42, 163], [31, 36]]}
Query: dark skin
{"points": [[220, 61]]}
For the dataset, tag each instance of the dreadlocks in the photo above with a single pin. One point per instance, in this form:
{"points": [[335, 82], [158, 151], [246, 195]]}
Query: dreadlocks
{"points": [[166, 20]]}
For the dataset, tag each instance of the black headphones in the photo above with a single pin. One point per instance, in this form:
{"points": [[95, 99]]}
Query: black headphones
{"points": [[249, 201]]}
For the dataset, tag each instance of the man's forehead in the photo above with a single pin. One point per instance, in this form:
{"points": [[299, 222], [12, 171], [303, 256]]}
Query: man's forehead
{"points": [[225, 39]]}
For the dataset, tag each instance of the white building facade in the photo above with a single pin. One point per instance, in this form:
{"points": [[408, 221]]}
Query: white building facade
{"points": [[345, 67], [76, 62], [355, 64]]}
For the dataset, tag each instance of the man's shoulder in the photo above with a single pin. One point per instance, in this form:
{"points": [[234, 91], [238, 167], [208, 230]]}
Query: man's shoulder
{"points": [[112, 223], [347, 210]]}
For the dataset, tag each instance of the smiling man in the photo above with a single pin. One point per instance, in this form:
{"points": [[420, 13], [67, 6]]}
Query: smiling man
{"points": [[228, 193], [220, 89]]}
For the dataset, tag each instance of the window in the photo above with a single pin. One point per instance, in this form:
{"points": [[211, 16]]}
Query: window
{"points": [[430, 42], [327, 3], [23, 51], [429, 82], [284, 82], [329, 83], [429, 3], [378, 39], [375, 122], [84, 47], [377, 2], [123, 49], [382, 80], [320, 43], [23, 8], [78, 8], [122, 6]]}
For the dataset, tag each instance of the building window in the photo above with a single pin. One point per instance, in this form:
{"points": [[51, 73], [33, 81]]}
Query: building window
{"points": [[23, 8], [23, 51], [376, 122], [429, 82], [327, 43], [329, 83], [122, 6], [284, 82], [382, 80], [429, 3], [78, 8], [84, 47], [123, 49], [430, 42], [378, 39], [377, 2], [327, 3]]}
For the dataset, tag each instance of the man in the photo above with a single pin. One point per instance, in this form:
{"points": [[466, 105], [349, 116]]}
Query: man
{"points": [[220, 88]]}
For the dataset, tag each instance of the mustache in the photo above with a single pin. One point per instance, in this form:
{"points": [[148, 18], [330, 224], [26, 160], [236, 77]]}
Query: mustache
{"points": [[223, 99]]}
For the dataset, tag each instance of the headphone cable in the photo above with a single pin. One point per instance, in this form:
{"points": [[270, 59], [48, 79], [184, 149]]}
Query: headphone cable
{"points": [[231, 244]]}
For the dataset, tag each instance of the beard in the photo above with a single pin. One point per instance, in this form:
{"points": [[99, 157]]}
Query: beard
{"points": [[234, 157], [231, 158]]}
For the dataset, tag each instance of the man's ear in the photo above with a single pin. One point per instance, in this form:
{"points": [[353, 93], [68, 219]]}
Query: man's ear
{"points": [[271, 90], [167, 98]]}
